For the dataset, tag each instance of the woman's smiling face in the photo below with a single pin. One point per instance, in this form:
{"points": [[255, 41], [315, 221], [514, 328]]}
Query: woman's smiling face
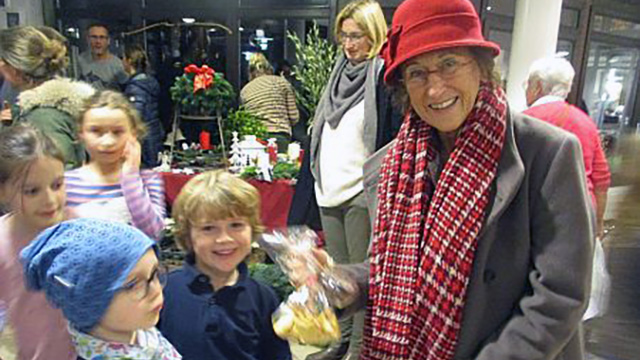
{"points": [[443, 86]]}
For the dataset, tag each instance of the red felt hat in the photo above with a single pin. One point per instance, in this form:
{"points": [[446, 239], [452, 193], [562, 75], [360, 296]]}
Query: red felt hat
{"points": [[420, 26]]}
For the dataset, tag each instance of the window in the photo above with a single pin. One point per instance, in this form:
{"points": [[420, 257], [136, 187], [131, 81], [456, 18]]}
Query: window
{"points": [[616, 26], [501, 7], [269, 36], [565, 47], [569, 17], [609, 84], [502, 38]]}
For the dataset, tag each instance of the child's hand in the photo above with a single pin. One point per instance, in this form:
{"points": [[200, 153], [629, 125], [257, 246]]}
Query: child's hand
{"points": [[132, 156]]}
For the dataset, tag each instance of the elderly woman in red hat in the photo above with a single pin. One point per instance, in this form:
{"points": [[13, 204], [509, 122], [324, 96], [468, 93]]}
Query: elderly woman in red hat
{"points": [[483, 235]]}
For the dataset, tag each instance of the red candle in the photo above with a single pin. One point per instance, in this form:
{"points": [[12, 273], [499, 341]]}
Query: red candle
{"points": [[205, 140], [272, 149]]}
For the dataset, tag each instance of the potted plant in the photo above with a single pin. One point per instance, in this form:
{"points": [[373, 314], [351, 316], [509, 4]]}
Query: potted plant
{"points": [[244, 123], [315, 59], [201, 91], [202, 97]]}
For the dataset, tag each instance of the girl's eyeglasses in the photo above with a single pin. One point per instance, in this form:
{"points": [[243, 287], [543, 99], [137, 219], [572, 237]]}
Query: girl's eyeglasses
{"points": [[140, 289]]}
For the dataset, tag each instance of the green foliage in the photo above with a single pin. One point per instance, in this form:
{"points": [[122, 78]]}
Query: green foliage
{"points": [[205, 102], [245, 123], [250, 172], [315, 61], [270, 274], [198, 158], [285, 170]]}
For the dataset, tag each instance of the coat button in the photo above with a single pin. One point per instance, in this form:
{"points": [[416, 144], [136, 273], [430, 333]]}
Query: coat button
{"points": [[489, 276], [212, 300]]}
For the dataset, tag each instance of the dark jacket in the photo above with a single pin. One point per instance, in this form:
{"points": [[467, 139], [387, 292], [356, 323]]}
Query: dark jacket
{"points": [[143, 91], [233, 322], [532, 269]]}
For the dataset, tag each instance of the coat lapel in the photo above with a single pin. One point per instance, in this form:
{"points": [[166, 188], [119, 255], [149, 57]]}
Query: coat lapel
{"points": [[509, 177]]}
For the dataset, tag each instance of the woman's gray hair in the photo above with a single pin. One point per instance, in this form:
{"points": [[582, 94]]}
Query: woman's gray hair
{"points": [[555, 74]]}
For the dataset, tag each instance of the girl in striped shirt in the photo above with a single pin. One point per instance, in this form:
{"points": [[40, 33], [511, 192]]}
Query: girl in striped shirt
{"points": [[111, 184]]}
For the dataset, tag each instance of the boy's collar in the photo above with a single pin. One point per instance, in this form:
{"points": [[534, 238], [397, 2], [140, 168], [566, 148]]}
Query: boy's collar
{"points": [[200, 283]]}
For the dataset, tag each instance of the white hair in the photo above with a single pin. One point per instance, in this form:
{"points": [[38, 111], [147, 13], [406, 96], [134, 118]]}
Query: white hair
{"points": [[555, 74]]}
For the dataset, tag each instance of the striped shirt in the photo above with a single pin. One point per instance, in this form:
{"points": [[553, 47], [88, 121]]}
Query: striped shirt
{"points": [[138, 199], [272, 98]]}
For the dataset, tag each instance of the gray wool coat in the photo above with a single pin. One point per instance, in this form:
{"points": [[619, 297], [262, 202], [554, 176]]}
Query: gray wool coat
{"points": [[531, 276]]}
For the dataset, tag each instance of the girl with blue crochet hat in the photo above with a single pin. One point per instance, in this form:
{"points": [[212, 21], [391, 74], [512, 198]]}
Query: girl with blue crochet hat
{"points": [[106, 278]]}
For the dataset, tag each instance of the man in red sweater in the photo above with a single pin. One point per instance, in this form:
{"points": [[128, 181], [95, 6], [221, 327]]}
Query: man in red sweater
{"points": [[548, 85]]}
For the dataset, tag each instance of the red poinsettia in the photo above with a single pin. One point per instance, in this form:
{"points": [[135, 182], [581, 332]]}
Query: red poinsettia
{"points": [[203, 78]]}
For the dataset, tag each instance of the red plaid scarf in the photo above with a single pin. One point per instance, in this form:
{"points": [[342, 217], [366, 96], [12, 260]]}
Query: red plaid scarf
{"points": [[420, 265]]}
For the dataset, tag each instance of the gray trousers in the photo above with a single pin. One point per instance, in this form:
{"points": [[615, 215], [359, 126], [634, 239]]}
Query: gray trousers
{"points": [[347, 230]]}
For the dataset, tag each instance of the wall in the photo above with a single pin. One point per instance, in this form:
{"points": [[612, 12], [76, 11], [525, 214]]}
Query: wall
{"points": [[30, 12]]}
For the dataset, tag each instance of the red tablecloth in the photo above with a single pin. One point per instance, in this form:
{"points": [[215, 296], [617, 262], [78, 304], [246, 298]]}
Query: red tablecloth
{"points": [[275, 197]]}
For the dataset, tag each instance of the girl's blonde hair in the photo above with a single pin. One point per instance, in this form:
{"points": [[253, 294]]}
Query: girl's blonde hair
{"points": [[369, 17], [38, 54], [215, 195], [114, 100], [259, 65]]}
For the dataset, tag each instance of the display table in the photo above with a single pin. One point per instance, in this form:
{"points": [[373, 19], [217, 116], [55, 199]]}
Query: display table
{"points": [[275, 197]]}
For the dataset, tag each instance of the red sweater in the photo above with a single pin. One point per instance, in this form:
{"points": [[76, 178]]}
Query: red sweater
{"points": [[575, 121]]}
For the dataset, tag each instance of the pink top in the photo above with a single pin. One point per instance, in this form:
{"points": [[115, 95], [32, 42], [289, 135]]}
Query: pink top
{"points": [[40, 330], [575, 121]]}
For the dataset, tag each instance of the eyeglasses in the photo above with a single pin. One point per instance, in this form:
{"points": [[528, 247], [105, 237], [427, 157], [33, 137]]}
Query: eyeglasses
{"points": [[416, 75], [352, 37], [140, 289]]}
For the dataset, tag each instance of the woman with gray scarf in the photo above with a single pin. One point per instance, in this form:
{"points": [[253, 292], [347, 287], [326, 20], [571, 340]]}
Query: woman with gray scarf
{"points": [[345, 133]]}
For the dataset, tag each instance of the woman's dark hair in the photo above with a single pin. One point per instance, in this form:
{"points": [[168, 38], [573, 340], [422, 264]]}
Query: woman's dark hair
{"points": [[137, 57], [483, 57], [21, 146]]}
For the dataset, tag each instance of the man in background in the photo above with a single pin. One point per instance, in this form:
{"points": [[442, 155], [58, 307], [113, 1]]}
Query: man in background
{"points": [[99, 66], [548, 86]]}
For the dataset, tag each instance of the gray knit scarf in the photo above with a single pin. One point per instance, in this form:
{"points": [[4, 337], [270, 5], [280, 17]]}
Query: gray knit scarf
{"points": [[346, 89]]}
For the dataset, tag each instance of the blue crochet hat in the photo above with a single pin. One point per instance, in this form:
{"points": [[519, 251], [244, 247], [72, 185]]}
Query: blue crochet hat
{"points": [[80, 264]]}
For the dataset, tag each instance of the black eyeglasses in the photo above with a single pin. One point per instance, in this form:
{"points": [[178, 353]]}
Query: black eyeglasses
{"points": [[140, 289], [415, 75], [353, 37]]}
